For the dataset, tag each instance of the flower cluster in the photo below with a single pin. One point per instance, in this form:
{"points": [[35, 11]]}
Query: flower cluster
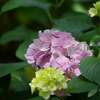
{"points": [[47, 81], [95, 10], [59, 50]]}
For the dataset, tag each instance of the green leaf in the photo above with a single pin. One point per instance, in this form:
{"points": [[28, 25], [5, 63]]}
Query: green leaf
{"points": [[54, 98], [90, 69], [77, 85], [78, 7], [30, 72], [9, 68], [23, 47], [12, 4], [92, 92], [95, 44], [88, 35], [95, 97], [22, 50], [26, 15], [19, 83], [17, 34], [95, 41], [40, 98], [74, 22], [36, 98]]}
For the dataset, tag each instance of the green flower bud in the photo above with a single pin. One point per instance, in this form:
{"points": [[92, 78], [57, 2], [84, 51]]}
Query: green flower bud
{"points": [[95, 10]]}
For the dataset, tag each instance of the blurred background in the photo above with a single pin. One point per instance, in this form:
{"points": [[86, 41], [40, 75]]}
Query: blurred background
{"points": [[21, 18], [20, 21]]}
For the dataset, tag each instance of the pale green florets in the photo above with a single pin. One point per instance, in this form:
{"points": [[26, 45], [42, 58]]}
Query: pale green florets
{"points": [[95, 10], [47, 81]]}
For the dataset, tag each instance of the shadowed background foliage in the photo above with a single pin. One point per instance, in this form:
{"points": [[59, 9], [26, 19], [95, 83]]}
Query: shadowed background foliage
{"points": [[19, 22]]}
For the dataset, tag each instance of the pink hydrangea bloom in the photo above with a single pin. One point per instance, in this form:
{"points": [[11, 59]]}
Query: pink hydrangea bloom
{"points": [[57, 49]]}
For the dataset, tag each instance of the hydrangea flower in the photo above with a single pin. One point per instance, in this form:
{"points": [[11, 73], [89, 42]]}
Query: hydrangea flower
{"points": [[59, 50], [47, 81], [95, 10], [92, 12]]}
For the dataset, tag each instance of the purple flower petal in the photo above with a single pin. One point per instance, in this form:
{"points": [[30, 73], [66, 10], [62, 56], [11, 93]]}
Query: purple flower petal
{"points": [[57, 49]]}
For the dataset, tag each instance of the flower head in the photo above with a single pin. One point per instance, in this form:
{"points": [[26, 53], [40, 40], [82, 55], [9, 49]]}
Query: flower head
{"points": [[47, 81], [95, 10], [59, 50]]}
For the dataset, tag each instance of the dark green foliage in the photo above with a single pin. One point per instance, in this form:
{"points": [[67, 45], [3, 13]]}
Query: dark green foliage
{"points": [[19, 22]]}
